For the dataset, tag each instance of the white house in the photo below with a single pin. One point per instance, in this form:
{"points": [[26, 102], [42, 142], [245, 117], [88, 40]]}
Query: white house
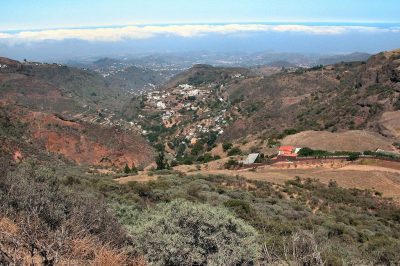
{"points": [[161, 105]]}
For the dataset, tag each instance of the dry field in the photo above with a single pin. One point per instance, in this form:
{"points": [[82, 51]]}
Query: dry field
{"points": [[353, 140], [375, 177]]}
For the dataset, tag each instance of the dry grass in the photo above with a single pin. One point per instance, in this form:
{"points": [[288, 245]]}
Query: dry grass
{"points": [[138, 178], [380, 163], [390, 123], [379, 178], [8, 227], [91, 252], [84, 250], [354, 140]]}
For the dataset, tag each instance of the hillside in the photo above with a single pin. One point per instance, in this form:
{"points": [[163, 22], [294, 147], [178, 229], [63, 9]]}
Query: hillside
{"points": [[338, 97], [207, 105], [68, 112], [353, 140], [50, 85], [204, 75], [134, 79], [333, 59]]}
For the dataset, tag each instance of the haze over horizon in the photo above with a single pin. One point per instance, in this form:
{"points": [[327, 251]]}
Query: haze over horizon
{"points": [[44, 30]]}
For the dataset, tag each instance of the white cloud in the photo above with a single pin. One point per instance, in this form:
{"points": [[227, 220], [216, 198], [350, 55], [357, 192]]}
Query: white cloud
{"points": [[145, 32]]}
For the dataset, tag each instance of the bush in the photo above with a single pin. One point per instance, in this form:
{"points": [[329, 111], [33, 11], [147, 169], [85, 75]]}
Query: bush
{"points": [[197, 148], [231, 163], [353, 156], [234, 151], [217, 157], [187, 161], [206, 158], [183, 233], [49, 215], [290, 131], [227, 146]]}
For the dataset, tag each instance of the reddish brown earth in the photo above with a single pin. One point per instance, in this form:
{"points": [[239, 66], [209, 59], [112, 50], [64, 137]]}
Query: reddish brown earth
{"points": [[40, 135], [86, 143]]}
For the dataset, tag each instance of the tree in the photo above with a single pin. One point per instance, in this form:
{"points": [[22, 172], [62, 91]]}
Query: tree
{"points": [[134, 169], [184, 233], [161, 161], [127, 170], [353, 156], [197, 148], [306, 152], [234, 151]]}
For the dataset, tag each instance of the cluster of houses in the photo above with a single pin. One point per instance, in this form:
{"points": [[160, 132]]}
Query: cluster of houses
{"points": [[177, 104], [113, 69]]}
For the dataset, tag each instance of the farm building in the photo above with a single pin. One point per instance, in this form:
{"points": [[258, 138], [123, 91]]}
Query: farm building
{"points": [[288, 151]]}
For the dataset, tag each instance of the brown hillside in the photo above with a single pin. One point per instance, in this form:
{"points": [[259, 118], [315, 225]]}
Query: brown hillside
{"points": [[32, 133], [38, 103], [354, 140], [338, 97]]}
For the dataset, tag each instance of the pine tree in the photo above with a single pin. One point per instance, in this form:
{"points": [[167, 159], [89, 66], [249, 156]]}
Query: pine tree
{"points": [[161, 161], [127, 170]]}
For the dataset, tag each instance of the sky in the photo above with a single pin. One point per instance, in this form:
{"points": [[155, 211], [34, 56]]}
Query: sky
{"points": [[39, 14], [50, 26]]}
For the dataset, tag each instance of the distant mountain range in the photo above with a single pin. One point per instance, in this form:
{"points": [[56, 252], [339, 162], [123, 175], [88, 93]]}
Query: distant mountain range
{"points": [[170, 64], [333, 59]]}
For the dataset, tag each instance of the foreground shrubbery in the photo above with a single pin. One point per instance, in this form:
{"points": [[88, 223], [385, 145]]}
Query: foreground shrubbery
{"points": [[43, 222], [303, 222], [185, 220], [184, 233]]}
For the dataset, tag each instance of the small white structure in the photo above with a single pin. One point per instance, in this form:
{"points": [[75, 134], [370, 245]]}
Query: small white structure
{"points": [[161, 105], [193, 92], [251, 158], [186, 86]]}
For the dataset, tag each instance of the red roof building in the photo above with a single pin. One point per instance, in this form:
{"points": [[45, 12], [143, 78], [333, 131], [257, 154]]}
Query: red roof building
{"points": [[288, 151]]}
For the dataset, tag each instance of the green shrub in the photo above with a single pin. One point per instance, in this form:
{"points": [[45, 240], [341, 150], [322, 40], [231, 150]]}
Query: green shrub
{"points": [[217, 157], [227, 146], [183, 233], [187, 161], [353, 156], [231, 163], [234, 151], [290, 131]]}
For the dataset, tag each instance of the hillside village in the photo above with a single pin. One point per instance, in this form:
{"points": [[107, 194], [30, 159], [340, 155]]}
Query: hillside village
{"points": [[207, 107]]}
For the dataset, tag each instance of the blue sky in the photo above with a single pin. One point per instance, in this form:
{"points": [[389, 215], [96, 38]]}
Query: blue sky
{"points": [[39, 14]]}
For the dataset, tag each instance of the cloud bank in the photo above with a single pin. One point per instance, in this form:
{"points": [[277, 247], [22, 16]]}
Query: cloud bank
{"points": [[115, 34]]}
